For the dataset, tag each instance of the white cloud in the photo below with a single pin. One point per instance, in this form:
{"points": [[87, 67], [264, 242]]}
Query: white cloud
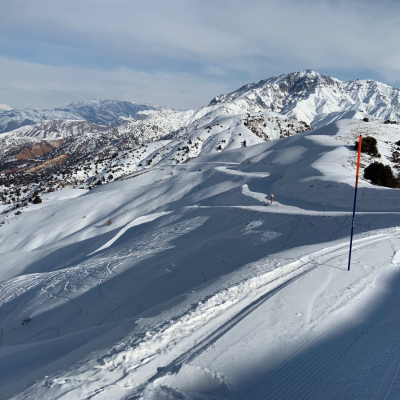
{"points": [[32, 84], [214, 70], [174, 51]]}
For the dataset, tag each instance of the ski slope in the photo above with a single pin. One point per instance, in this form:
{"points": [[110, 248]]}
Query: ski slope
{"points": [[191, 285]]}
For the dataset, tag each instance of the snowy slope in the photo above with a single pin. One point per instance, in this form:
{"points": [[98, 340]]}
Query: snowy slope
{"points": [[225, 133], [156, 125], [211, 135], [15, 138], [13, 119], [54, 130], [98, 155], [189, 286]]}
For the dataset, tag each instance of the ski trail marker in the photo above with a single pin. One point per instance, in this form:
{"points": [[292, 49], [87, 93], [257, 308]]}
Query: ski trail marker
{"points": [[355, 200]]}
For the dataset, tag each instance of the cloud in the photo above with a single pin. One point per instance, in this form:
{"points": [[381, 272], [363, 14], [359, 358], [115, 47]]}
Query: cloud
{"points": [[208, 69], [32, 84], [210, 44]]}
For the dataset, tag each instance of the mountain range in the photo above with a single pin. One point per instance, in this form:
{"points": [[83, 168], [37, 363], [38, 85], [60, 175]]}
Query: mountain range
{"points": [[103, 112], [306, 95], [98, 141], [317, 99]]}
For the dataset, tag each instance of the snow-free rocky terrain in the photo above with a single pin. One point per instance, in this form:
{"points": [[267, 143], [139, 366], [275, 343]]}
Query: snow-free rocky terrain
{"points": [[184, 282], [156, 267]]}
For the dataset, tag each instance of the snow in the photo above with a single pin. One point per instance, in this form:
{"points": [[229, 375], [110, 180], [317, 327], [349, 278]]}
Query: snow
{"points": [[12, 119], [199, 288], [135, 222], [5, 107], [317, 99], [55, 129], [295, 99]]}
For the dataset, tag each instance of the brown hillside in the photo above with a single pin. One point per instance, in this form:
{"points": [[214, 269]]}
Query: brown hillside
{"points": [[37, 149], [56, 160]]}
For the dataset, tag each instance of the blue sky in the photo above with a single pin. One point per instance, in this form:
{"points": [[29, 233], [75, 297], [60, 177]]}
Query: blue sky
{"points": [[182, 53]]}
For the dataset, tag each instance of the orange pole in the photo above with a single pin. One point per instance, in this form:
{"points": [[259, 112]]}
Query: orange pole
{"points": [[358, 159]]}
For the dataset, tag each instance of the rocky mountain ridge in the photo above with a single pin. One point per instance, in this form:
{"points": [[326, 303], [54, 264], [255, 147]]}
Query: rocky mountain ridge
{"points": [[55, 129], [111, 112], [102, 112], [316, 99], [306, 95]]}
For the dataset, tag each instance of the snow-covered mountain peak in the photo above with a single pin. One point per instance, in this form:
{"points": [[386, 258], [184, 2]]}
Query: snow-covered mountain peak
{"points": [[293, 82], [100, 112], [109, 112], [5, 107], [315, 98], [97, 103]]}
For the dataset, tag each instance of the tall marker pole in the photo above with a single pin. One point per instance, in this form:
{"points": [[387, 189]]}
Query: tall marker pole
{"points": [[355, 199]]}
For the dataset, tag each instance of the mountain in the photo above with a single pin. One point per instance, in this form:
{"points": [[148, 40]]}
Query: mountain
{"points": [[167, 123], [183, 281], [101, 112], [155, 136], [103, 155], [32, 141], [316, 99], [5, 107], [306, 95], [13, 119], [157, 124], [110, 112], [55, 129]]}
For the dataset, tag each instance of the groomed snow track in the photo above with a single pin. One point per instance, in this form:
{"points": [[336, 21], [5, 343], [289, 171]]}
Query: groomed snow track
{"points": [[291, 379], [298, 376]]}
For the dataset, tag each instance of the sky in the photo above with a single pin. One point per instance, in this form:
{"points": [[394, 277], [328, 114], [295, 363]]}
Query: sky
{"points": [[182, 53]]}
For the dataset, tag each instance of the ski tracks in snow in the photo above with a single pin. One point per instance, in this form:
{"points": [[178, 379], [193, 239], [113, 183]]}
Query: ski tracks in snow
{"points": [[299, 375], [161, 345], [26, 292], [315, 296], [389, 379], [165, 347]]}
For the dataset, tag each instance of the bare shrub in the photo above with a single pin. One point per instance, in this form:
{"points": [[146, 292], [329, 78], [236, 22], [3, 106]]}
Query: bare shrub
{"points": [[381, 175]]}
